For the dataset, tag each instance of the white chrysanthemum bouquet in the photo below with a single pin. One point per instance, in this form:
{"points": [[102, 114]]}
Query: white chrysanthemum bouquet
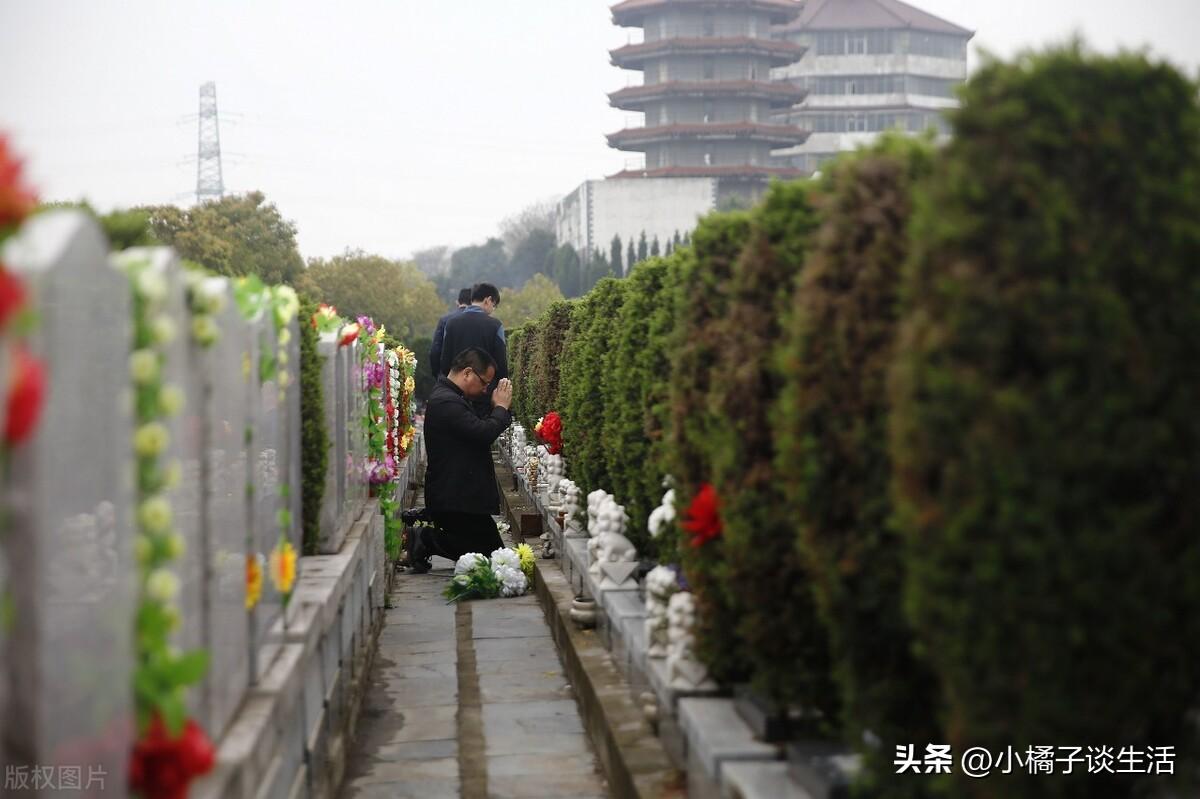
{"points": [[507, 573]]}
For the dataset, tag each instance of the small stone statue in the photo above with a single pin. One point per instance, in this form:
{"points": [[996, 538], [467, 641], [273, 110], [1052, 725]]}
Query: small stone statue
{"points": [[555, 470], [517, 453], [660, 586], [617, 560], [570, 494], [607, 536], [684, 672]]}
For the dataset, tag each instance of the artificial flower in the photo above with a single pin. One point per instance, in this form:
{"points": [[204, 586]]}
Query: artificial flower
{"points": [[162, 766], [366, 323], [325, 319], [142, 549], [205, 330], [703, 519], [172, 474], [525, 553], [162, 586], [163, 329], [26, 391], [151, 439], [285, 337], [151, 286], [170, 400], [505, 557], [12, 296], [286, 304], [549, 430], [283, 566], [349, 334], [409, 385], [16, 200], [176, 546], [254, 580], [468, 562], [512, 581], [154, 515], [144, 366]]}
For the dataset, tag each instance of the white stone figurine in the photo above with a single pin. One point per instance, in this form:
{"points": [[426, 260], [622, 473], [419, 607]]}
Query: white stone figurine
{"points": [[517, 453], [606, 534], [570, 493], [555, 469], [663, 515], [617, 560], [684, 672], [660, 586]]}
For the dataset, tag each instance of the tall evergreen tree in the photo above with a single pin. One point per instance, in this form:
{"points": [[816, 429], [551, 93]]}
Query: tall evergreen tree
{"points": [[615, 256], [677, 240], [655, 250], [643, 247], [631, 257]]}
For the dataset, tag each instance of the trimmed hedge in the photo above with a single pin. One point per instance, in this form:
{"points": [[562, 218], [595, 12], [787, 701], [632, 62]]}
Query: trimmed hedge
{"points": [[550, 331], [314, 439], [701, 300], [587, 363], [1046, 440], [789, 662], [831, 422], [634, 394], [517, 342]]}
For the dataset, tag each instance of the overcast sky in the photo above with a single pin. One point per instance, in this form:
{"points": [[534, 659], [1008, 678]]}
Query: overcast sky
{"points": [[387, 126]]}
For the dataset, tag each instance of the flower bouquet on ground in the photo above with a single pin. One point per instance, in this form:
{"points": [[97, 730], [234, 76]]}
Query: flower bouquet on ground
{"points": [[479, 577]]}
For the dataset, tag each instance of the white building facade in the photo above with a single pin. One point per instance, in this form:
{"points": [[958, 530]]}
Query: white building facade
{"points": [[590, 216], [869, 66]]}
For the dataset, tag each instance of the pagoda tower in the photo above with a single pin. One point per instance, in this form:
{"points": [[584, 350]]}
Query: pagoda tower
{"points": [[707, 92]]}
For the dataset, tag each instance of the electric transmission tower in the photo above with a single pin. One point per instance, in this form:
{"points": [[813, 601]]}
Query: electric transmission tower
{"points": [[209, 183]]}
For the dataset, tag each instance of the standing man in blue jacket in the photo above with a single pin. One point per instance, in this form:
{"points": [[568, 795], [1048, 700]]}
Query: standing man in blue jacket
{"points": [[435, 351], [476, 327]]}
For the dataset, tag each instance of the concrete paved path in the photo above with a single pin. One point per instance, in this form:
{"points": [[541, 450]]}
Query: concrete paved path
{"points": [[468, 701]]}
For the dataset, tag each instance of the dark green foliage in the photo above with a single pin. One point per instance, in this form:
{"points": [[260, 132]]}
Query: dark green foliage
{"points": [[643, 249], [545, 369], [614, 257], [314, 438], [631, 258], [831, 422], [587, 362], [766, 579], [565, 269], [634, 396], [700, 303], [1045, 436], [655, 250], [518, 368]]}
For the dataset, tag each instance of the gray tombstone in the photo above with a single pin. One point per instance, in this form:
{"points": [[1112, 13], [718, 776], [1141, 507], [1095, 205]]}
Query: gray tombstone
{"points": [[69, 657], [340, 393], [222, 370], [332, 532], [292, 432], [265, 467]]}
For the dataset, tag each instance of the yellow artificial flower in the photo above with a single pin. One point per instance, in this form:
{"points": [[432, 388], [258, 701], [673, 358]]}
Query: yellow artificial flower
{"points": [[162, 586], [164, 329], [254, 580], [154, 515], [527, 558], [143, 366], [151, 439], [285, 336], [170, 400], [287, 304], [283, 566], [409, 385], [205, 330]]}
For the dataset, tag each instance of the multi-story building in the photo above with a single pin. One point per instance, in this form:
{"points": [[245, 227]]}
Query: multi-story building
{"points": [[868, 66], [707, 92]]}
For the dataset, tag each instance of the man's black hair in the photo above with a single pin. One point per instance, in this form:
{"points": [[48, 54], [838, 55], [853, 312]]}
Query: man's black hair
{"points": [[464, 297], [481, 291], [478, 360]]}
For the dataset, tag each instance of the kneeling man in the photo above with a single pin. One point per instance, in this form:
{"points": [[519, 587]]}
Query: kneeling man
{"points": [[460, 481]]}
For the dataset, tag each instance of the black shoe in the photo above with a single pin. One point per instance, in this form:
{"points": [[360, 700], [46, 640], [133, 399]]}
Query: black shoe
{"points": [[412, 516], [419, 556]]}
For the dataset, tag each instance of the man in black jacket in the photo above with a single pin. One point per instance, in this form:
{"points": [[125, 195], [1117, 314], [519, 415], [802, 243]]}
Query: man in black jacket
{"points": [[435, 352], [476, 327], [460, 481]]}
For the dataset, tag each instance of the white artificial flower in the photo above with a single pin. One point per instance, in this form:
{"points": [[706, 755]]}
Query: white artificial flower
{"points": [[164, 329], [143, 366], [505, 557], [151, 286], [468, 562], [162, 585], [512, 581]]}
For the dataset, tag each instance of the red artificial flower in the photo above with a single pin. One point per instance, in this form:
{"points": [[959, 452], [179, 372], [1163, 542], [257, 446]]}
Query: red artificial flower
{"points": [[16, 201], [349, 334], [550, 431], [12, 296], [163, 767], [702, 518], [26, 392]]}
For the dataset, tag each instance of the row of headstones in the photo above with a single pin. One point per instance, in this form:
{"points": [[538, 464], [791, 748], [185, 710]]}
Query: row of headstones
{"points": [[67, 563], [612, 559]]}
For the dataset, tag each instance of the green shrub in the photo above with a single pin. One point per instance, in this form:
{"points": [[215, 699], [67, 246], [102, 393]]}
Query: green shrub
{"points": [[314, 439], [700, 303], [1045, 437], [547, 364], [832, 458], [777, 626], [518, 370], [586, 364], [633, 391]]}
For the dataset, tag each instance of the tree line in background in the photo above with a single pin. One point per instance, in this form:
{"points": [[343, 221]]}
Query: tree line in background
{"points": [[945, 399]]}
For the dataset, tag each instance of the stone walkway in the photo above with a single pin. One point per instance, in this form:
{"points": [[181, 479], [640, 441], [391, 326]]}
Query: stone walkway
{"points": [[468, 700]]}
